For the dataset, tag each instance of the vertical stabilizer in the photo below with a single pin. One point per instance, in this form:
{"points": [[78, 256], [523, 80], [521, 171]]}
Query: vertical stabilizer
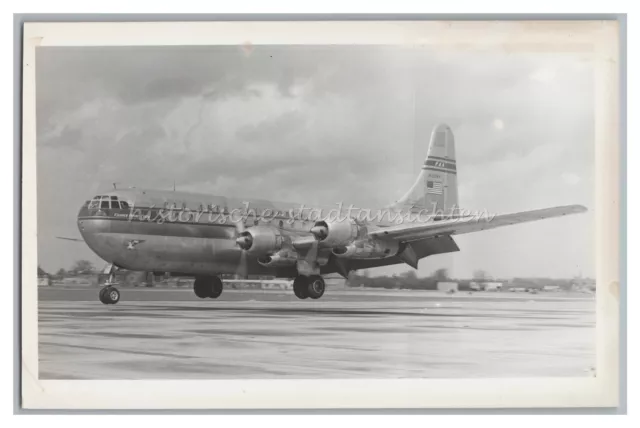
{"points": [[436, 187]]}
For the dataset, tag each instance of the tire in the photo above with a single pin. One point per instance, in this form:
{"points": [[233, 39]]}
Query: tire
{"points": [[207, 286], [101, 296], [216, 287], [110, 295], [300, 287], [201, 288], [315, 287]]}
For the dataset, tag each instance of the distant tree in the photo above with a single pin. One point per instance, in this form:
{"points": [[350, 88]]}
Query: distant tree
{"points": [[41, 272], [82, 266], [479, 275], [441, 274], [410, 274], [61, 273]]}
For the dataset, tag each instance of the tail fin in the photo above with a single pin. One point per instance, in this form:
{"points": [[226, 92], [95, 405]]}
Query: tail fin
{"points": [[436, 188]]}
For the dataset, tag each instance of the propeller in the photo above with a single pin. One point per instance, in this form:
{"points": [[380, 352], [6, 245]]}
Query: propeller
{"points": [[320, 231], [244, 240]]}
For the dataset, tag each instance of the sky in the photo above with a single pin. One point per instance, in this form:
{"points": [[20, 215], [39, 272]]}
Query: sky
{"points": [[322, 125]]}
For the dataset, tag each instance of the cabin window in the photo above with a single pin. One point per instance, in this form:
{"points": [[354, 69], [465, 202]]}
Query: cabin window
{"points": [[124, 205]]}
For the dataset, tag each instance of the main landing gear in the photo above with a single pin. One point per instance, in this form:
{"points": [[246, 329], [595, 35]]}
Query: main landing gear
{"points": [[207, 286], [109, 295], [308, 286]]}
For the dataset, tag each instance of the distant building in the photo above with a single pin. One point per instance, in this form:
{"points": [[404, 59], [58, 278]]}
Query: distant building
{"points": [[276, 284], [448, 287], [476, 286], [583, 284], [335, 283], [551, 288], [492, 286], [44, 280]]}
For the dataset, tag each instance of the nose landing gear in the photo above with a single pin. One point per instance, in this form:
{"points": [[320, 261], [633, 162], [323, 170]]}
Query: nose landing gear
{"points": [[109, 295]]}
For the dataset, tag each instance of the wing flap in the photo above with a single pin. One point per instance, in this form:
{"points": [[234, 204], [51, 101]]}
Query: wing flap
{"points": [[413, 231]]}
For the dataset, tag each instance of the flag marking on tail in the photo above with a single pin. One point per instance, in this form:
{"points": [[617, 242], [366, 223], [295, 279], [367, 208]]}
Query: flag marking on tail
{"points": [[434, 187]]}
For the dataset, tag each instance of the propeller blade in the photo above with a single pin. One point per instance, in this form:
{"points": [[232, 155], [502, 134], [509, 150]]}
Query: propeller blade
{"points": [[240, 227], [242, 270], [244, 241]]}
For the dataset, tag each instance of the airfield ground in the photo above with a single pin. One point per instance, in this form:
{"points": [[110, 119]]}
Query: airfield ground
{"points": [[167, 333]]}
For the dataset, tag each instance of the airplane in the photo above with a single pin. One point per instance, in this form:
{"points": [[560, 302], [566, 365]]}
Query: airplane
{"points": [[196, 235]]}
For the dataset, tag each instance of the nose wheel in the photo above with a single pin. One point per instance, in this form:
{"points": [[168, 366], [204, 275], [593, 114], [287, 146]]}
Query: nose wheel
{"points": [[109, 295]]}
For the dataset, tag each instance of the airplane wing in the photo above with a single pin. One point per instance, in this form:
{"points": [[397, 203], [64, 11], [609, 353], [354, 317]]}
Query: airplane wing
{"points": [[414, 232], [69, 239]]}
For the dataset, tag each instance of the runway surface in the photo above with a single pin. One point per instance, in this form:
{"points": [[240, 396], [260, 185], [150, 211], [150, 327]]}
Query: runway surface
{"points": [[171, 334]]}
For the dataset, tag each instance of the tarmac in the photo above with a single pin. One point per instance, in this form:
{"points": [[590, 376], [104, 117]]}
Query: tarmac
{"points": [[168, 333]]}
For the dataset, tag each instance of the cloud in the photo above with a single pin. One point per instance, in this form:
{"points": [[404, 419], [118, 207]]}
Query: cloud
{"points": [[312, 124], [571, 179]]}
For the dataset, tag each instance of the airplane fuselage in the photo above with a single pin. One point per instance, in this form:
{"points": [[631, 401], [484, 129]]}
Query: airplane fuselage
{"points": [[188, 233]]}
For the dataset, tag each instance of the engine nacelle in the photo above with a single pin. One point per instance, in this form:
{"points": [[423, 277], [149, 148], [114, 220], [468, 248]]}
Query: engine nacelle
{"points": [[281, 258], [260, 240], [336, 233], [367, 249]]}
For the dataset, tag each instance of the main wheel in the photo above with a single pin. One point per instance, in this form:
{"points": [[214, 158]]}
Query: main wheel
{"points": [[300, 287], [207, 286], [216, 287], [201, 287], [109, 295], [315, 287]]}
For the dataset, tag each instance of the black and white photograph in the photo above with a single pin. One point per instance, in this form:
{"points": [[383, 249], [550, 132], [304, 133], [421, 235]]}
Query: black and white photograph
{"points": [[409, 208]]}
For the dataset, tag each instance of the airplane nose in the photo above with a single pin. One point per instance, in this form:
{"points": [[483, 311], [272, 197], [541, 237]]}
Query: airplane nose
{"points": [[84, 211]]}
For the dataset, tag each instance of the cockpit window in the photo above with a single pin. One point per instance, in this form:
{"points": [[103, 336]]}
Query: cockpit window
{"points": [[104, 202], [124, 205]]}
